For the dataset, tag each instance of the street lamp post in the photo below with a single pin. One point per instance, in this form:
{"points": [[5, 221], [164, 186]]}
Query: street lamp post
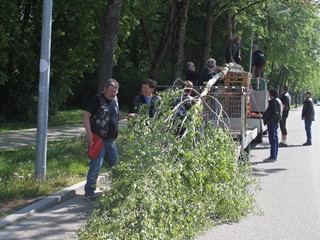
{"points": [[43, 101]]}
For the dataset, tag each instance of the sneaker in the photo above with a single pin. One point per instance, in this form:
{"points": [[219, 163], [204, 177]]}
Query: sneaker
{"points": [[90, 198], [270, 159], [283, 145], [307, 144]]}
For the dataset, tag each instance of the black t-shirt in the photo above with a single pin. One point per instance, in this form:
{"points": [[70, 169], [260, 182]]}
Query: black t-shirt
{"points": [[93, 106], [258, 58], [285, 101], [193, 77], [205, 75]]}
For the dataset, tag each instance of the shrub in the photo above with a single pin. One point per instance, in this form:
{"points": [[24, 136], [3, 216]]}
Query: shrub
{"points": [[171, 187]]}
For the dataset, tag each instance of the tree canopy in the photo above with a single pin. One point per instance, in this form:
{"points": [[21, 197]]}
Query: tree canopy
{"points": [[155, 39]]}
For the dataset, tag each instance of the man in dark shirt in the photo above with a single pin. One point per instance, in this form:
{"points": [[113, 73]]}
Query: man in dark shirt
{"points": [[147, 96], [258, 62], [308, 116], [191, 74], [285, 99], [101, 117], [271, 117], [208, 73], [233, 50]]}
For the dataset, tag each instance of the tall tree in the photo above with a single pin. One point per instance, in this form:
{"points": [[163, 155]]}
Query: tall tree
{"points": [[157, 51], [110, 25], [206, 45], [178, 51]]}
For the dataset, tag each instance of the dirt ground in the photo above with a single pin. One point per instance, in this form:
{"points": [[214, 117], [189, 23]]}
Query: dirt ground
{"points": [[15, 205]]}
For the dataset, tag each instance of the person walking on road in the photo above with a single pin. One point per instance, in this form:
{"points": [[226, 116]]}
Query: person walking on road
{"points": [[308, 116], [285, 99], [101, 117], [272, 117]]}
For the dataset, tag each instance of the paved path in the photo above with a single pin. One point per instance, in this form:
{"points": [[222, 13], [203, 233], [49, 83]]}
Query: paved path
{"points": [[290, 195], [15, 139], [59, 221]]}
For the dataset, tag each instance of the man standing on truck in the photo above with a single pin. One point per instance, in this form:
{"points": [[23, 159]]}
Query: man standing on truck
{"points": [[286, 100], [272, 117], [258, 62], [207, 73]]}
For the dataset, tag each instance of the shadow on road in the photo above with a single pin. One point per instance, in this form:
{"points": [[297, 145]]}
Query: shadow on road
{"points": [[266, 172]]}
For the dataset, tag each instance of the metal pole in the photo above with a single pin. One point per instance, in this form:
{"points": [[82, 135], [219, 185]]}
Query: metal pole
{"points": [[43, 101], [250, 61]]}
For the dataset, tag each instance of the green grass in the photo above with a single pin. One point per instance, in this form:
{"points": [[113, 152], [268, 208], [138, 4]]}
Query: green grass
{"points": [[67, 164], [69, 117]]}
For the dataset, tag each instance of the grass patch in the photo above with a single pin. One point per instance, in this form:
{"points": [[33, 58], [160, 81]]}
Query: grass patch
{"points": [[67, 164], [62, 118], [69, 117]]}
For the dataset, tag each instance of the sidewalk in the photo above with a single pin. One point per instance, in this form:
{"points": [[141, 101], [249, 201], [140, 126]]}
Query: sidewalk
{"points": [[57, 217], [11, 226], [15, 139]]}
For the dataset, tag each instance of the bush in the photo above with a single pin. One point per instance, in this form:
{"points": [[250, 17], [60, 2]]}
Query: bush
{"points": [[171, 187]]}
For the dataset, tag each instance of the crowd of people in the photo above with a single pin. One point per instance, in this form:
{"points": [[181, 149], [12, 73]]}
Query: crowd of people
{"points": [[276, 115], [101, 114]]}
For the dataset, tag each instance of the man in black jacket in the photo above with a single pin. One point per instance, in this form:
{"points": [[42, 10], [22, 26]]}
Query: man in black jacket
{"points": [[101, 117], [308, 116], [147, 97], [208, 73], [258, 62], [285, 99], [272, 117]]}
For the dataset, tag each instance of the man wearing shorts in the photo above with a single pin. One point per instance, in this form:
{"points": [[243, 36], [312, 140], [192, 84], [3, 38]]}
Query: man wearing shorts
{"points": [[258, 62]]}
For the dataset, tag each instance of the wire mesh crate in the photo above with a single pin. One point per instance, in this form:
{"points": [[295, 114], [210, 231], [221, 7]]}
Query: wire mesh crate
{"points": [[227, 107]]}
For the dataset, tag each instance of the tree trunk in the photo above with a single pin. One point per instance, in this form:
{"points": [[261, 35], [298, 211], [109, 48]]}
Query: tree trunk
{"points": [[206, 45], [178, 52], [229, 55], [110, 26], [280, 76], [157, 56], [271, 75]]}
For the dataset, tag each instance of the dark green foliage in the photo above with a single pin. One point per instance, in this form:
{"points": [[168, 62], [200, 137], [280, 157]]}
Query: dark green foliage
{"points": [[75, 44], [76, 47], [167, 187]]}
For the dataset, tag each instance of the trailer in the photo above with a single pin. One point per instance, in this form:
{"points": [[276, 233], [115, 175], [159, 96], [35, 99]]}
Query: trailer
{"points": [[258, 104], [227, 108]]}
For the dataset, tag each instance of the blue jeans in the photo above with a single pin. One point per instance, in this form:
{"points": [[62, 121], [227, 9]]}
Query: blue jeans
{"points": [[273, 139], [109, 153], [307, 126]]}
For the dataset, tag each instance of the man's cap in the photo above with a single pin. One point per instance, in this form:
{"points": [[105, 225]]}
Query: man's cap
{"points": [[308, 92], [254, 46]]}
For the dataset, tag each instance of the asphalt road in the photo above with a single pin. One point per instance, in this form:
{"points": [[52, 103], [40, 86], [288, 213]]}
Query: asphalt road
{"points": [[290, 195], [289, 199]]}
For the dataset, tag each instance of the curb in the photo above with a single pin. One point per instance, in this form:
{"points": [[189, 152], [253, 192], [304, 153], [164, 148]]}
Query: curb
{"points": [[50, 201]]}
